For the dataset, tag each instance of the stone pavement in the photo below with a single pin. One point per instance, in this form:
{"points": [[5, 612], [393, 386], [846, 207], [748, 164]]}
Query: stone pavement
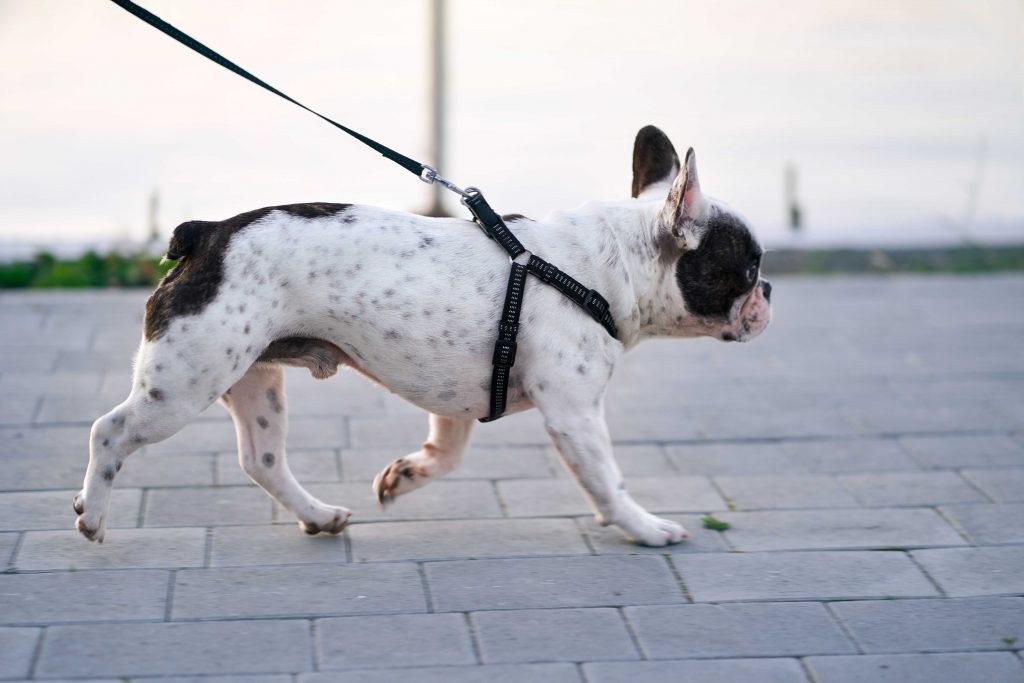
{"points": [[868, 452]]}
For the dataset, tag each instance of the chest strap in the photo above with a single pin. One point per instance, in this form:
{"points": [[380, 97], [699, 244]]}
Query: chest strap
{"points": [[505, 347]]}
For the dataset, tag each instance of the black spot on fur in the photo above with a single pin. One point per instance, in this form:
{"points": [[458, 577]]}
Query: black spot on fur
{"points": [[714, 275], [156, 394], [108, 474], [654, 158], [268, 459], [275, 402], [262, 422], [106, 442], [199, 248]]}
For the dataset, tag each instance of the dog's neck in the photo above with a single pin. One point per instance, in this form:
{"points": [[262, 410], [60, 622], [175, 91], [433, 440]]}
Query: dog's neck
{"points": [[643, 293]]}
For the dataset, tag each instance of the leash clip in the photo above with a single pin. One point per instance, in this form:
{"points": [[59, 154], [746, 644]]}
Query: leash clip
{"points": [[429, 175]]}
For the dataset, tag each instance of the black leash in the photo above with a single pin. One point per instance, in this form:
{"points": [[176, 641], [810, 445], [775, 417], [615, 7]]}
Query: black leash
{"points": [[490, 222]]}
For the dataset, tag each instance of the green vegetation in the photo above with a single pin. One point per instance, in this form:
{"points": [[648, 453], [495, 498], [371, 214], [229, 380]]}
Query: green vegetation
{"points": [[89, 270], [964, 259], [710, 522]]}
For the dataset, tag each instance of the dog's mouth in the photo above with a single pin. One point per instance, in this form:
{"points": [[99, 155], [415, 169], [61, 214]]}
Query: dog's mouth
{"points": [[752, 318]]}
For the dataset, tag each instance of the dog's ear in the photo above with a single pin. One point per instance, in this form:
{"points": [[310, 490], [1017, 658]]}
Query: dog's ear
{"points": [[655, 163], [686, 210]]}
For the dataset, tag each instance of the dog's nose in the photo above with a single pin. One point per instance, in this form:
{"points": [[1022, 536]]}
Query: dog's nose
{"points": [[766, 289]]}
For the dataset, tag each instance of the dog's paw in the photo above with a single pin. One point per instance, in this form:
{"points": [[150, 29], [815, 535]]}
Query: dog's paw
{"points": [[399, 477], [655, 531], [92, 526], [332, 521]]}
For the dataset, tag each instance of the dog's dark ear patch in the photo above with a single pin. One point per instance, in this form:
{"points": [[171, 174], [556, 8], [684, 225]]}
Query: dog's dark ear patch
{"points": [[199, 248], [714, 275], [654, 159]]}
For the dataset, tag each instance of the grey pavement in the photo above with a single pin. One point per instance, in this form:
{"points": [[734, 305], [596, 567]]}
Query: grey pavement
{"points": [[868, 453]]}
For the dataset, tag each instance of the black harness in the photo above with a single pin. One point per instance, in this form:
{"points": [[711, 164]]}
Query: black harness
{"points": [[491, 223], [508, 327]]}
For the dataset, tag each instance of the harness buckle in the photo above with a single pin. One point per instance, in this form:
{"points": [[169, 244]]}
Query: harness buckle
{"points": [[504, 354], [595, 304]]}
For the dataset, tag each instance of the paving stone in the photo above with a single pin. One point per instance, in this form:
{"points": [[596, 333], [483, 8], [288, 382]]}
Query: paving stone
{"points": [[737, 630], [25, 510], [1004, 485], [273, 544], [81, 409], [208, 506], [988, 524], [608, 540], [31, 376], [550, 582], [964, 572], [465, 539], [125, 549], [21, 442], [547, 498], [301, 590], [730, 458], [956, 451], [370, 642], [895, 416], [17, 648], [784, 491], [553, 635], [206, 436], [83, 596], [161, 471], [838, 529], [18, 410], [7, 545], [727, 577], [438, 500], [775, 670], [407, 431], [940, 625], [236, 647], [53, 469], [848, 455], [911, 489], [265, 678], [962, 667], [766, 423], [307, 466], [498, 673]]}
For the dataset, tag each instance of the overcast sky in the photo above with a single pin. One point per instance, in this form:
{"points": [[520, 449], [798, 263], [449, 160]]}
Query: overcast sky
{"points": [[905, 119]]}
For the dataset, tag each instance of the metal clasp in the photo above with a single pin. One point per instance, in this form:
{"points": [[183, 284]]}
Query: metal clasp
{"points": [[429, 175]]}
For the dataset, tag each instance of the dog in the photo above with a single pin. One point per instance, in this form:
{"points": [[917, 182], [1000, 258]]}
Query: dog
{"points": [[413, 303]]}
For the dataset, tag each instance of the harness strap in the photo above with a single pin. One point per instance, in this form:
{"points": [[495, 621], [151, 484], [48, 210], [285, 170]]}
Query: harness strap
{"points": [[505, 348], [589, 300]]}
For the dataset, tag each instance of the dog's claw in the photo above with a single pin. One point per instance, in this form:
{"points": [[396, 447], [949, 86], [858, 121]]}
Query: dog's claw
{"points": [[334, 526]]}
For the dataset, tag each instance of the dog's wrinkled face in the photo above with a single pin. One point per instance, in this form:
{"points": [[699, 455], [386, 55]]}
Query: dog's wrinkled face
{"points": [[718, 260]]}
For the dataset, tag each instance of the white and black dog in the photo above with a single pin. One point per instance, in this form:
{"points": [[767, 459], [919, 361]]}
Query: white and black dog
{"points": [[413, 304]]}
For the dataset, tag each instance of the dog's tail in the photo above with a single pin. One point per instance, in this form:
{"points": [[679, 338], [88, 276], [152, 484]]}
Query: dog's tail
{"points": [[185, 239]]}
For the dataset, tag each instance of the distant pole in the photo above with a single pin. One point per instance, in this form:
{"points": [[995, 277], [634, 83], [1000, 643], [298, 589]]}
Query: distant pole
{"points": [[154, 210], [437, 102], [793, 213]]}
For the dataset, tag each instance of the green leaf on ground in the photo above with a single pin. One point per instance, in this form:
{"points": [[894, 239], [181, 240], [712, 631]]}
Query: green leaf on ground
{"points": [[710, 522]]}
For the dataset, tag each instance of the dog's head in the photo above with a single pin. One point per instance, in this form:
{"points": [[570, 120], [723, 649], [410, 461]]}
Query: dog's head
{"points": [[716, 258]]}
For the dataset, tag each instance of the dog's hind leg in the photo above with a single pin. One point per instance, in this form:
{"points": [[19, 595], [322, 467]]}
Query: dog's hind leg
{"points": [[161, 402], [440, 454], [257, 405]]}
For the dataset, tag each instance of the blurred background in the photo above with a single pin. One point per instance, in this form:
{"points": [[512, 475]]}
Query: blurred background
{"points": [[845, 123]]}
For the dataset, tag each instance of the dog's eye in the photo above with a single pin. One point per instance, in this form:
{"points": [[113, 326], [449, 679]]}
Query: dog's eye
{"points": [[752, 272]]}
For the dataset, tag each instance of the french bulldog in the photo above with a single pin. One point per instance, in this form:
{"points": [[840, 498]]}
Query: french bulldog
{"points": [[413, 303]]}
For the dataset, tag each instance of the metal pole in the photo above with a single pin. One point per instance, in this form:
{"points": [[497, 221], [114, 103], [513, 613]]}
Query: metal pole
{"points": [[437, 102]]}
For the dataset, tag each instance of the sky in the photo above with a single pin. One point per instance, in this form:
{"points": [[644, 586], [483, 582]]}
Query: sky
{"points": [[903, 119]]}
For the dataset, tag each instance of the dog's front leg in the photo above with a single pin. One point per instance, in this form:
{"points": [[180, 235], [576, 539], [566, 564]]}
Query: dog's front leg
{"points": [[586, 449], [439, 455]]}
